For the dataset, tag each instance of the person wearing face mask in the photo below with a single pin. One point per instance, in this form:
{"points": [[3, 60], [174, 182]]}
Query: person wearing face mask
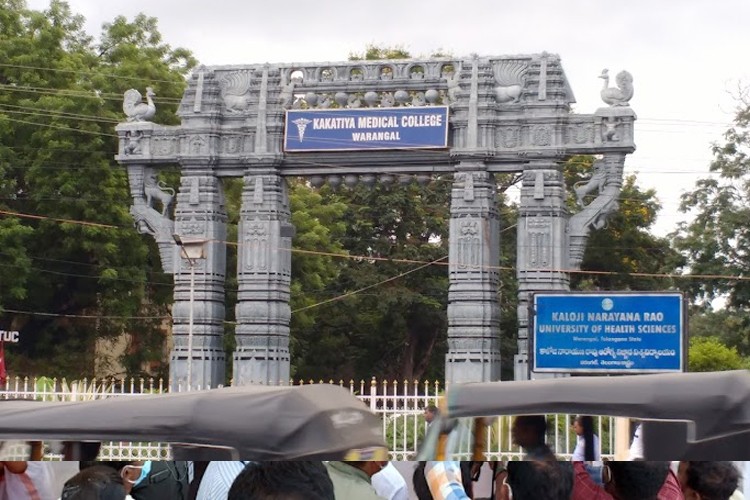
{"points": [[149, 480]]}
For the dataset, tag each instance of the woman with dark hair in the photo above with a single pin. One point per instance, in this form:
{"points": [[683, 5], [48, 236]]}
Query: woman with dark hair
{"points": [[587, 448]]}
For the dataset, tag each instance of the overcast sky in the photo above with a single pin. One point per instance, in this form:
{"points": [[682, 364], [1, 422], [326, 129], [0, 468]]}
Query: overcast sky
{"points": [[686, 56]]}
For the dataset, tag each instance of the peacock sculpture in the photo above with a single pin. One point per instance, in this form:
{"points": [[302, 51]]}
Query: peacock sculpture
{"points": [[135, 109], [620, 95]]}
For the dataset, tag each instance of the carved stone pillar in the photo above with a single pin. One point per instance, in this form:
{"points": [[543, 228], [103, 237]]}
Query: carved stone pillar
{"points": [[264, 264], [200, 215], [542, 258], [473, 309]]}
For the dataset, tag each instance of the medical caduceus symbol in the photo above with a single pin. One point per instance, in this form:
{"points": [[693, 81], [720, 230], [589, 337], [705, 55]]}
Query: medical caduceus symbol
{"points": [[302, 124]]}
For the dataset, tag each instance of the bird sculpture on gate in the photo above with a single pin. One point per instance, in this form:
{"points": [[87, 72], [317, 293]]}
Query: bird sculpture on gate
{"points": [[620, 95], [135, 109]]}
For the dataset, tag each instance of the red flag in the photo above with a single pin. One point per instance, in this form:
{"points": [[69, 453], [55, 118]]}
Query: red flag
{"points": [[3, 371]]}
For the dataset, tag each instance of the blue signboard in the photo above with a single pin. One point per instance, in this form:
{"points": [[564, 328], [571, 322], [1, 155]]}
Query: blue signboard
{"points": [[366, 128], [608, 333]]}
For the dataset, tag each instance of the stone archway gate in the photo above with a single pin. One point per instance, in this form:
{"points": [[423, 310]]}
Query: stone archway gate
{"points": [[505, 114]]}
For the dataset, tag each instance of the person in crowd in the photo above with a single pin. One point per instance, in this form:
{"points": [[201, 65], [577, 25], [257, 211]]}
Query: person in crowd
{"points": [[587, 447], [353, 480], [390, 484], [25, 481], [529, 433], [290, 480], [708, 480], [151, 480], [218, 478], [445, 481], [537, 480], [98, 482], [430, 412], [627, 481]]}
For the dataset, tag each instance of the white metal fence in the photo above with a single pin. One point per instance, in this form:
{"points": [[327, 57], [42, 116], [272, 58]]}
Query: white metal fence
{"points": [[401, 405]]}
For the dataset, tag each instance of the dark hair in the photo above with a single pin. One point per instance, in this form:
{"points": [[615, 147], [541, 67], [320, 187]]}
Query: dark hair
{"points": [[540, 480], [419, 481], [432, 409], [587, 423], [94, 483], [713, 480], [536, 422], [296, 480], [638, 480]]}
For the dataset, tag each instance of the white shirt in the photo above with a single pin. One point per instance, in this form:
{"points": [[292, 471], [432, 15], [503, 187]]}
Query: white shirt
{"points": [[390, 484], [636, 447], [218, 479], [579, 454]]}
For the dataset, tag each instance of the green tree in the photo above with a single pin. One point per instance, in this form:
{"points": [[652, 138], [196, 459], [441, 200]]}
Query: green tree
{"points": [[61, 100], [708, 354], [717, 239]]}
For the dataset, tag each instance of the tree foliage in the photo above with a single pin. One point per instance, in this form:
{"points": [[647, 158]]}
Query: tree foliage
{"points": [[709, 354], [61, 98], [717, 239]]}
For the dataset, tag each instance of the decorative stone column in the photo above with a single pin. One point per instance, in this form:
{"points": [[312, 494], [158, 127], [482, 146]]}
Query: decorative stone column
{"points": [[264, 264], [542, 258], [473, 309], [200, 215]]}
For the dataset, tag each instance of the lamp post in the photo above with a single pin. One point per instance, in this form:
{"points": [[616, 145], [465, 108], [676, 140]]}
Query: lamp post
{"points": [[191, 250]]}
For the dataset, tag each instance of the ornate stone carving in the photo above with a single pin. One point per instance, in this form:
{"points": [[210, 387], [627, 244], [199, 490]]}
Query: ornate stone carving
{"points": [[541, 135], [580, 133], [594, 183], [620, 95], [540, 241], [164, 145], [133, 142], [510, 77], [256, 253], [607, 179], [511, 137], [469, 245], [155, 190], [198, 145], [135, 109], [235, 87], [232, 144]]}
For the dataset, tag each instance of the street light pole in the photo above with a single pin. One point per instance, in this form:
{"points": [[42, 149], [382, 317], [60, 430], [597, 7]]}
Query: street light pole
{"points": [[190, 251]]}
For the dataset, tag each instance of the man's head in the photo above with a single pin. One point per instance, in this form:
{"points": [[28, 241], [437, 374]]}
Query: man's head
{"points": [[634, 480], [533, 480], [708, 480], [430, 412], [528, 430], [94, 483], [290, 480]]}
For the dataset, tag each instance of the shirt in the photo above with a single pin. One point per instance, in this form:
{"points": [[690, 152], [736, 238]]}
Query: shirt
{"points": [[584, 487], [636, 447], [390, 484], [350, 483], [218, 479], [579, 454], [444, 480]]}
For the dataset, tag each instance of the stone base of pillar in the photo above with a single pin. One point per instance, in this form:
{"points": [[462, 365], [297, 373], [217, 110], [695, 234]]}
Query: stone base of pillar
{"points": [[520, 367], [472, 366], [261, 366], [208, 369]]}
